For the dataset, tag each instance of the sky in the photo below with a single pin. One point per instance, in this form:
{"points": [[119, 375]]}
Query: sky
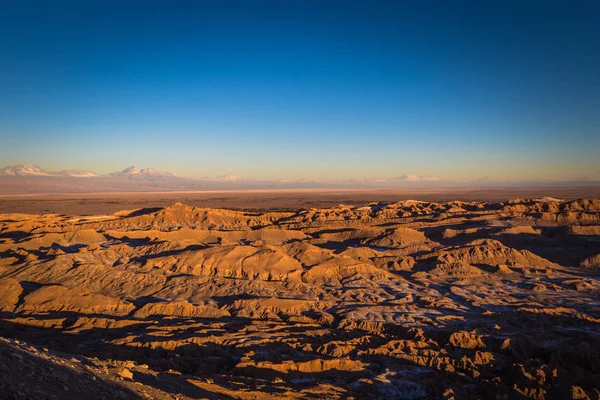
{"points": [[304, 89]]}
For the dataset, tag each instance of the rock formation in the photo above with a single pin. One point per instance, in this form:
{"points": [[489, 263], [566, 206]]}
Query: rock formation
{"points": [[399, 300]]}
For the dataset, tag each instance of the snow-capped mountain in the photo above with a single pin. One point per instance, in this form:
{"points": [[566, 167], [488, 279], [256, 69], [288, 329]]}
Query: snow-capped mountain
{"points": [[24, 170], [77, 173], [34, 170], [133, 172]]}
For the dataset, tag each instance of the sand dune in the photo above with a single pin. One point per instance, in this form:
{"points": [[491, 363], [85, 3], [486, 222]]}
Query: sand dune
{"points": [[406, 299]]}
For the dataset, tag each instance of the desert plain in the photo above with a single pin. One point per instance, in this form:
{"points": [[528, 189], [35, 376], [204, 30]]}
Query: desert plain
{"points": [[472, 294]]}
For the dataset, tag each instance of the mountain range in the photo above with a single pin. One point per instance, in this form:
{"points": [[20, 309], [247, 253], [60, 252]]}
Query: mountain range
{"points": [[27, 178], [131, 172], [135, 173], [34, 170]]}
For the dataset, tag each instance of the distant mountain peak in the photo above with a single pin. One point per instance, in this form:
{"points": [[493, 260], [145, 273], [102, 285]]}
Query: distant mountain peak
{"points": [[132, 169], [417, 178], [133, 172], [24, 170]]}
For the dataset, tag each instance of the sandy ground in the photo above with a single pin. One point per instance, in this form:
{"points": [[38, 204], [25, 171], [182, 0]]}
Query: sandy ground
{"points": [[94, 203]]}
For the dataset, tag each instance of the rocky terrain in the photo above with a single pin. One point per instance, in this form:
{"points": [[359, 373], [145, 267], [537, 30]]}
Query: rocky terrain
{"points": [[407, 299]]}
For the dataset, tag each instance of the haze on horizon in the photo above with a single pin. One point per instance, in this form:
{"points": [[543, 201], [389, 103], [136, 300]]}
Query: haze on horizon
{"points": [[303, 89]]}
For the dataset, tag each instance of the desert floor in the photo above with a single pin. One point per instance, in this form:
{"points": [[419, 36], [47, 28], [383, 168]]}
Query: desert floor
{"points": [[269, 200], [128, 296]]}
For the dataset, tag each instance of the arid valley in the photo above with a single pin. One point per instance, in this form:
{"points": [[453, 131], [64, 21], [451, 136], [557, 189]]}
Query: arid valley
{"points": [[402, 299], [273, 200]]}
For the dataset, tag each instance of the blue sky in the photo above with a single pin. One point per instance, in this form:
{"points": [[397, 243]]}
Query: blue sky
{"points": [[303, 89]]}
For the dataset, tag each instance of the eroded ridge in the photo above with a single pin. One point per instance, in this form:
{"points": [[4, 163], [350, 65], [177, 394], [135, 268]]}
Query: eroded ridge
{"points": [[403, 300]]}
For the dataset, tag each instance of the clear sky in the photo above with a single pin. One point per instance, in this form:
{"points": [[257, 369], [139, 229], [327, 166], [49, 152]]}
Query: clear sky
{"points": [[303, 89]]}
